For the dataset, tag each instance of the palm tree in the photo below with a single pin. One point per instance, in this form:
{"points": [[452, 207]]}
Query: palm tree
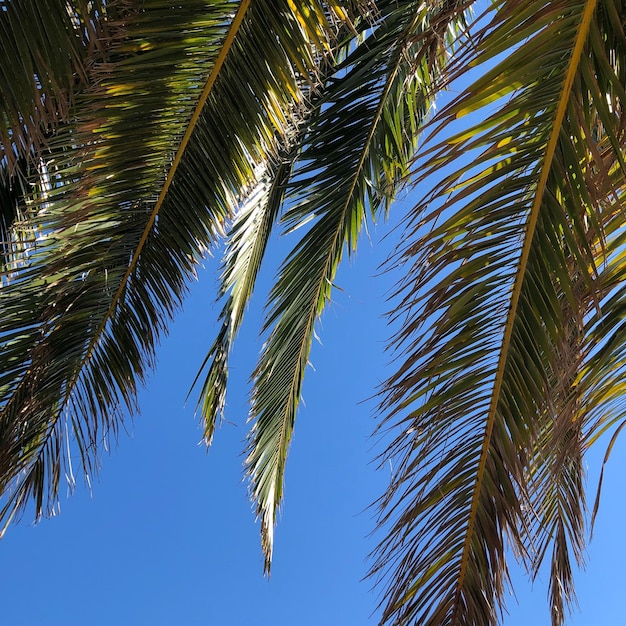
{"points": [[136, 135]]}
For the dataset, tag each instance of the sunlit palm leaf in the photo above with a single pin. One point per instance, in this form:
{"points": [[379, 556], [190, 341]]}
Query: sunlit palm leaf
{"points": [[246, 246], [504, 269], [348, 170]]}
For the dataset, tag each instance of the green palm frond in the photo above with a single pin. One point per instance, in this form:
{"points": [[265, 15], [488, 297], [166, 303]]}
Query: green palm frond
{"points": [[143, 178], [381, 92], [509, 267], [246, 245]]}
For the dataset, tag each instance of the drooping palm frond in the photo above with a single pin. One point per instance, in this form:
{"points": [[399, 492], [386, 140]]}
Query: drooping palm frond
{"points": [[510, 272], [355, 156], [246, 245], [183, 102]]}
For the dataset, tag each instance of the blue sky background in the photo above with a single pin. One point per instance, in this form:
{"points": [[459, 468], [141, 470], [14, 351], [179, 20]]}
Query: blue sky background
{"points": [[168, 536]]}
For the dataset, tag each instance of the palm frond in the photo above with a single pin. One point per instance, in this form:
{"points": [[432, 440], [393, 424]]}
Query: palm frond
{"points": [[489, 406], [130, 213], [360, 143], [246, 245]]}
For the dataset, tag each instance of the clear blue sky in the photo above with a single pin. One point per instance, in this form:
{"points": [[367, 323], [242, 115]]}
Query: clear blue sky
{"points": [[168, 536]]}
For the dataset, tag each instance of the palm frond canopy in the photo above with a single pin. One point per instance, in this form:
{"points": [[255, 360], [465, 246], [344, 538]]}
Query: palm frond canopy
{"points": [[135, 135]]}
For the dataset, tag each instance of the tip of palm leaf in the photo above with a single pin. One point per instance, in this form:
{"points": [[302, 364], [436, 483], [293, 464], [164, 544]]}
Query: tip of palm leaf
{"points": [[211, 420], [267, 543], [207, 439], [267, 512]]}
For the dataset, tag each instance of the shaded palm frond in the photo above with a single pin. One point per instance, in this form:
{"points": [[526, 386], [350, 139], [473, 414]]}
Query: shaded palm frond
{"points": [[504, 268], [355, 156], [44, 46], [185, 104]]}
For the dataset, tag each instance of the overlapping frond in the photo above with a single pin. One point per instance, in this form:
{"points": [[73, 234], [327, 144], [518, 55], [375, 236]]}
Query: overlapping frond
{"points": [[132, 134], [141, 181], [249, 235], [508, 271], [353, 159]]}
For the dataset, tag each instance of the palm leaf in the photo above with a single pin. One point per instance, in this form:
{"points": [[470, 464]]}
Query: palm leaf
{"points": [[246, 245], [504, 271], [381, 92]]}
